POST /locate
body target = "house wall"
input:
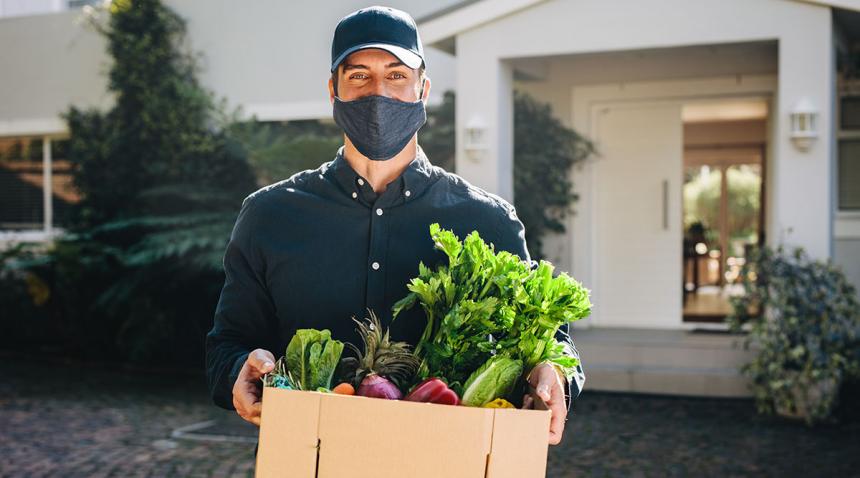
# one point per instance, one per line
(270, 57)
(59, 66)
(560, 74)
(564, 27)
(697, 61)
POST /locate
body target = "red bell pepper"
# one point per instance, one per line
(433, 390)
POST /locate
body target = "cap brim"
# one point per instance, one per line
(408, 57)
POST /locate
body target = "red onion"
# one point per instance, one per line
(377, 386)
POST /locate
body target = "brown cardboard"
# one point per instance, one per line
(325, 435)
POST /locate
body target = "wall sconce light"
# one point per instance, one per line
(803, 124)
(475, 143)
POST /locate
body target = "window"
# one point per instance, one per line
(849, 174)
(15, 8)
(81, 3)
(849, 117)
(848, 150)
(33, 169)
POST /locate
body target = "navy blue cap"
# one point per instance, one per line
(378, 27)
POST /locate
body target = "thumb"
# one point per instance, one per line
(543, 391)
(545, 381)
(260, 362)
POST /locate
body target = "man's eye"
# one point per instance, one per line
(398, 75)
(357, 76)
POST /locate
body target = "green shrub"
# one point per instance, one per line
(544, 152)
(804, 318)
(161, 178)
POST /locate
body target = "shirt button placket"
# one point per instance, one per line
(376, 274)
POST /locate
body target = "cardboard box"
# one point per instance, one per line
(325, 435)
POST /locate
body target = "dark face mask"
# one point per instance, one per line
(379, 126)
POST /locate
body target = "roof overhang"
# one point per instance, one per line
(844, 4)
(440, 28)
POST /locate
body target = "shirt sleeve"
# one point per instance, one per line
(244, 315)
(512, 238)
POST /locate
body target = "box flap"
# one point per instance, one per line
(288, 433)
(519, 444)
(371, 437)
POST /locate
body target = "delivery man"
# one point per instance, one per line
(325, 245)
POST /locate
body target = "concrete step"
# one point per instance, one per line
(673, 362)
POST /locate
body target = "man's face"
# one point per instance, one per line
(376, 72)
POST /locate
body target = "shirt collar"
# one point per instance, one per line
(409, 185)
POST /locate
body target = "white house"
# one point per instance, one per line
(742, 116)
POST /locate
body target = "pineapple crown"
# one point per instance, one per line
(392, 360)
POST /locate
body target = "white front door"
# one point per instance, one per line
(636, 201)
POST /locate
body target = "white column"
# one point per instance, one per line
(485, 93)
(802, 208)
(47, 185)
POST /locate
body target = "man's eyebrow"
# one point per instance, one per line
(354, 66)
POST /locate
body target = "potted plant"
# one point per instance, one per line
(803, 316)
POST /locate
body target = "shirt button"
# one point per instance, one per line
(360, 182)
(408, 193)
(379, 212)
(354, 194)
(375, 266)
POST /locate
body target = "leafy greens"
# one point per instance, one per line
(484, 303)
(311, 359)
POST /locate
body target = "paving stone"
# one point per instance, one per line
(68, 421)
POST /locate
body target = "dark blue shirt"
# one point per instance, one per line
(321, 247)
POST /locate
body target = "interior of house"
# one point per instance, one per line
(725, 151)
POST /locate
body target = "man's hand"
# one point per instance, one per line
(549, 386)
(248, 389)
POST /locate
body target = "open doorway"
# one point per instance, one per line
(723, 201)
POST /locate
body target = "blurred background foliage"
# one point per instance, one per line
(702, 194)
(137, 274)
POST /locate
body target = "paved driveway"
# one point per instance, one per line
(68, 420)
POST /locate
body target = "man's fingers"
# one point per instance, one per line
(256, 411)
(543, 392)
(247, 402)
(528, 401)
(247, 396)
(558, 407)
(556, 422)
(547, 381)
(261, 362)
(250, 416)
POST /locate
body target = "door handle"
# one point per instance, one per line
(665, 204)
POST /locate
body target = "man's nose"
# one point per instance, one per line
(378, 88)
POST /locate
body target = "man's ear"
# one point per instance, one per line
(426, 89)
(331, 90)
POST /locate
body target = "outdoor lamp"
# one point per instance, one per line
(803, 127)
(475, 142)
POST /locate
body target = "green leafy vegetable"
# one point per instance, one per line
(311, 358)
(496, 378)
(482, 303)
